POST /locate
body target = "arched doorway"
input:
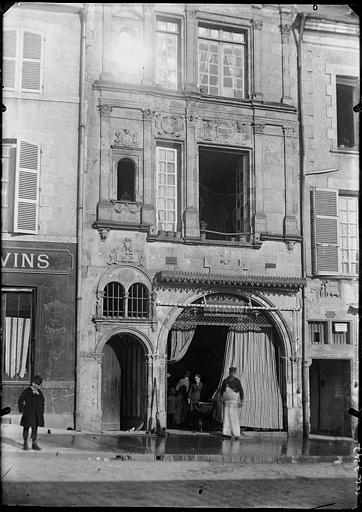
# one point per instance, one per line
(209, 338)
(123, 383)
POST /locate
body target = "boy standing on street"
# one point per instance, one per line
(31, 405)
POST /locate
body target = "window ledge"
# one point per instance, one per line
(348, 151)
(175, 237)
(335, 276)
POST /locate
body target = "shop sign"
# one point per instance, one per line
(54, 261)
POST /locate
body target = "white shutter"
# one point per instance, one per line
(325, 231)
(9, 59)
(26, 188)
(31, 71)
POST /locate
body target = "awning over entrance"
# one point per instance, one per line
(198, 278)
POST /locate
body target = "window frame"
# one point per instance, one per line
(178, 22)
(213, 25)
(329, 333)
(33, 315)
(176, 148)
(19, 59)
(349, 81)
(347, 195)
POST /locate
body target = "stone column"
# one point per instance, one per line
(260, 223)
(191, 213)
(105, 186)
(286, 94)
(149, 44)
(257, 25)
(156, 364)
(149, 192)
(290, 219)
(107, 43)
(192, 72)
(89, 399)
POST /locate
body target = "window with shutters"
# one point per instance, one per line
(17, 315)
(26, 201)
(347, 95)
(325, 231)
(22, 60)
(348, 234)
(8, 183)
(222, 61)
(341, 333)
(167, 53)
(334, 233)
(167, 188)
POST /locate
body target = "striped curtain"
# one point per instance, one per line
(253, 354)
(17, 339)
(179, 343)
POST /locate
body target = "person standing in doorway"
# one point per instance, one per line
(194, 397)
(171, 408)
(31, 405)
(185, 381)
(232, 395)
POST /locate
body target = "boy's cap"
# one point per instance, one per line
(37, 380)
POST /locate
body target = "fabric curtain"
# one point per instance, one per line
(179, 343)
(17, 339)
(253, 354)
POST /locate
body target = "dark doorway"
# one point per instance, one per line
(123, 383)
(330, 397)
(205, 356)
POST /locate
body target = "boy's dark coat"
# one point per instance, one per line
(32, 407)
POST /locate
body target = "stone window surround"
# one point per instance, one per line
(331, 112)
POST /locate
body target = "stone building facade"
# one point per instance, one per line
(39, 187)
(152, 124)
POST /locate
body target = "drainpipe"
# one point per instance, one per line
(80, 192)
(300, 23)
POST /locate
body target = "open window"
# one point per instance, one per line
(347, 121)
(224, 194)
(126, 180)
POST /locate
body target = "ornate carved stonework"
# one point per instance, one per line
(170, 124)
(289, 130)
(290, 245)
(225, 264)
(329, 289)
(93, 356)
(285, 30)
(104, 110)
(152, 230)
(257, 23)
(126, 207)
(219, 130)
(127, 253)
(103, 233)
(147, 113)
(125, 138)
(258, 127)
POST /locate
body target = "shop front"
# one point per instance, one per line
(38, 325)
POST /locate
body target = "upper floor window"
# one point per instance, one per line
(22, 61)
(334, 233)
(167, 54)
(222, 61)
(21, 165)
(348, 234)
(138, 301)
(113, 300)
(167, 190)
(126, 180)
(347, 95)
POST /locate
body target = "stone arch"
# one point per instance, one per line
(126, 275)
(278, 321)
(136, 333)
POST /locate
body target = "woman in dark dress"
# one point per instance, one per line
(31, 405)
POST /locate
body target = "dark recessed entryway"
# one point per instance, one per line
(330, 391)
(123, 383)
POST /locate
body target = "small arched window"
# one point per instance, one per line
(138, 301)
(126, 180)
(113, 300)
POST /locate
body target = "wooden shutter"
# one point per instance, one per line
(31, 72)
(325, 231)
(9, 59)
(26, 188)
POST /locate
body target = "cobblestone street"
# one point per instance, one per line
(38, 478)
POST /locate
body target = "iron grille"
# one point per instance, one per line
(113, 300)
(138, 301)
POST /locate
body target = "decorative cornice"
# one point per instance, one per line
(197, 278)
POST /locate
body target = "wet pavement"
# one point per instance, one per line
(252, 447)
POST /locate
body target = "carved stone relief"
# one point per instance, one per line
(224, 131)
(126, 207)
(170, 124)
(127, 133)
(127, 253)
(126, 138)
